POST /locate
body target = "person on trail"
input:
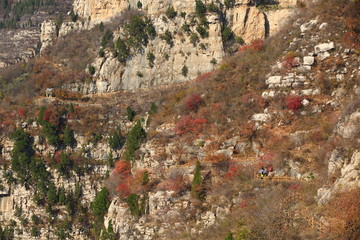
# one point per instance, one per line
(271, 171)
(262, 171)
(266, 172)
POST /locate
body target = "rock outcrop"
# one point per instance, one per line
(18, 45)
(169, 61)
(349, 178)
(246, 21)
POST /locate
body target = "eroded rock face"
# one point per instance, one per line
(99, 10)
(245, 19)
(48, 32)
(248, 22)
(18, 197)
(111, 75)
(350, 128)
(166, 213)
(349, 179)
(18, 45)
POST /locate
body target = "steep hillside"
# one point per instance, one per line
(179, 158)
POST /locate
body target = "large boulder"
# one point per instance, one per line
(324, 47)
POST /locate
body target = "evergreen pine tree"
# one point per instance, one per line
(65, 165)
(134, 139)
(130, 113)
(101, 203)
(197, 181)
(133, 203)
(116, 140)
(62, 196)
(51, 194)
(71, 108)
(229, 236)
(153, 108)
(41, 115)
(22, 153)
(145, 179)
(69, 139)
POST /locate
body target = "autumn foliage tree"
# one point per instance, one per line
(121, 176)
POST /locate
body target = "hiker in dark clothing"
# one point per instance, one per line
(262, 172)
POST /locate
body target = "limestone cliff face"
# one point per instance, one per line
(245, 19)
(17, 45)
(48, 32)
(169, 61)
(99, 10)
(248, 22)
(103, 10)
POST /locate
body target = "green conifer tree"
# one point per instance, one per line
(69, 139)
(197, 181)
(51, 194)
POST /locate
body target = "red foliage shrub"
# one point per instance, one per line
(294, 187)
(122, 167)
(243, 204)
(121, 177)
(204, 76)
(22, 113)
(123, 189)
(47, 115)
(188, 124)
(255, 45)
(293, 103)
(290, 62)
(194, 102)
(57, 156)
(232, 171)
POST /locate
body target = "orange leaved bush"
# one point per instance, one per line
(189, 124)
(255, 45)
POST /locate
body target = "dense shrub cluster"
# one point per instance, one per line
(290, 61)
(194, 102)
(293, 103)
(255, 45)
(189, 124)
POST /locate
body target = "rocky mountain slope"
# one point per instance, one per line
(179, 158)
